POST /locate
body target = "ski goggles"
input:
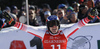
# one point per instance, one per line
(53, 23)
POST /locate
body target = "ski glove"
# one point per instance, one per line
(8, 18)
(92, 12)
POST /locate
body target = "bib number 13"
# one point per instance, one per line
(53, 46)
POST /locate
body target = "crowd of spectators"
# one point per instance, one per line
(67, 13)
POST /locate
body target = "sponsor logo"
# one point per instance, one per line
(54, 41)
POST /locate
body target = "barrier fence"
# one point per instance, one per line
(87, 37)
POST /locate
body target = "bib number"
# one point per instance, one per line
(53, 46)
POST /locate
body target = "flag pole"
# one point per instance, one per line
(27, 12)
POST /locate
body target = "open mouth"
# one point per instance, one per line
(54, 29)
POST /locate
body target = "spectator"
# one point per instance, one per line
(70, 17)
(62, 6)
(45, 7)
(32, 16)
(46, 14)
(38, 17)
(55, 12)
(75, 6)
(90, 4)
(8, 10)
(60, 14)
(15, 11)
(82, 11)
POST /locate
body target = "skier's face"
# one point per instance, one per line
(54, 29)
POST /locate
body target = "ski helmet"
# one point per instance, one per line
(52, 20)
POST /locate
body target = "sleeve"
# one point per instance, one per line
(30, 29)
(2, 23)
(69, 31)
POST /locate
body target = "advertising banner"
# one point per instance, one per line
(86, 37)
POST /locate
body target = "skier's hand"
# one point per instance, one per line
(8, 18)
(92, 13)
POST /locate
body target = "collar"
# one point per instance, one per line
(59, 32)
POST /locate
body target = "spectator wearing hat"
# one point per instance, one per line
(45, 7)
(62, 6)
(70, 17)
(32, 16)
(8, 10)
(46, 14)
(14, 10)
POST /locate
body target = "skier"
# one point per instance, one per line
(53, 38)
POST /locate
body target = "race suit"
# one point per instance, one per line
(53, 41)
